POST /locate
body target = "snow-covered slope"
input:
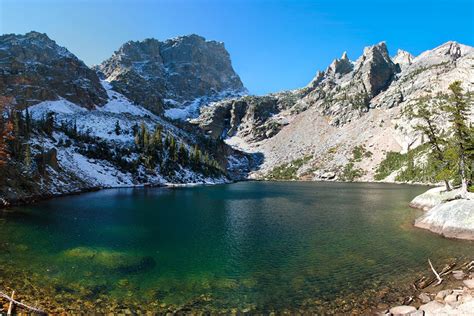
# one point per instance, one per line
(100, 124)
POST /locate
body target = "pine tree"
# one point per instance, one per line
(118, 129)
(6, 131)
(172, 149)
(27, 159)
(49, 123)
(74, 129)
(458, 109)
(182, 155)
(15, 143)
(196, 157)
(157, 140)
(426, 115)
(27, 123)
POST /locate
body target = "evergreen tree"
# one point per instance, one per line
(15, 143)
(426, 115)
(196, 157)
(458, 109)
(182, 155)
(135, 129)
(6, 131)
(118, 129)
(27, 123)
(157, 140)
(74, 129)
(27, 159)
(49, 123)
(172, 149)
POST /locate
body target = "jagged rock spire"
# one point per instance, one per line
(403, 58)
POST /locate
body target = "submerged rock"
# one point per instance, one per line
(110, 259)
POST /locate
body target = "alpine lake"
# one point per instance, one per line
(255, 247)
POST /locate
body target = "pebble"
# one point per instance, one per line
(458, 274)
(442, 294)
(403, 310)
(452, 300)
(425, 298)
(431, 307)
(469, 283)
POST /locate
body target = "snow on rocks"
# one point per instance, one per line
(99, 173)
(100, 123)
(118, 103)
(61, 106)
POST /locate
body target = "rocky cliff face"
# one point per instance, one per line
(170, 74)
(82, 134)
(33, 68)
(351, 108)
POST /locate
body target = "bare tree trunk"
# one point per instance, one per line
(462, 170)
(448, 187)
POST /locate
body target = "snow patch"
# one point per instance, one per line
(62, 106)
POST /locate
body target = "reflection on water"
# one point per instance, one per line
(258, 244)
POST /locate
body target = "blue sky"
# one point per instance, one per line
(274, 45)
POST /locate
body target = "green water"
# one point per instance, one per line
(263, 245)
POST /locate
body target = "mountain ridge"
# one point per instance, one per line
(310, 133)
(338, 110)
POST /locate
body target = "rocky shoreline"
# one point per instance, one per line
(453, 296)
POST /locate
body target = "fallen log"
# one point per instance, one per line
(13, 301)
(424, 282)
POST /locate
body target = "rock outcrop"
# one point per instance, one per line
(81, 132)
(161, 75)
(403, 58)
(33, 68)
(252, 117)
(453, 219)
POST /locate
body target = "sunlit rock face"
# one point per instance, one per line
(33, 68)
(163, 75)
(350, 103)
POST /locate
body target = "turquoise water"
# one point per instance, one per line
(249, 245)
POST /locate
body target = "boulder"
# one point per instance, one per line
(469, 283)
(453, 219)
(431, 307)
(403, 310)
(433, 197)
(424, 298)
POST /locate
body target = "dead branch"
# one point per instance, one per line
(31, 308)
(10, 306)
(436, 273)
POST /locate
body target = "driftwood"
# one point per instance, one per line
(10, 306)
(435, 273)
(13, 301)
(423, 282)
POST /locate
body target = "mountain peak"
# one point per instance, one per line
(403, 58)
(47, 72)
(157, 73)
(340, 66)
(380, 48)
